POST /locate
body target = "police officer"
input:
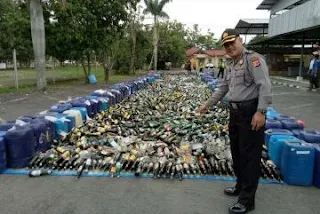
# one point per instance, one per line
(247, 81)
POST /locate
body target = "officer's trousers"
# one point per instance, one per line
(246, 148)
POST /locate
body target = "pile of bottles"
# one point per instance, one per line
(155, 131)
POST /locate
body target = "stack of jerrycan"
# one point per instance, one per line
(117, 94)
(310, 136)
(83, 111)
(6, 126)
(297, 162)
(270, 132)
(103, 103)
(83, 103)
(150, 79)
(275, 146)
(272, 122)
(21, 145)
(44, 131)
(57, 111)
(105, 94)
(124, 89)
(76, 114)
(272, 114)
(69, 122)
(316, 172)
(90, 102)
(289, 123)
(3, 152)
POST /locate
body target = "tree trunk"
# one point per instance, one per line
(89, 66)
(85, 71)
(155, 43)
(133, 49)
(38, 41)
(106, 73)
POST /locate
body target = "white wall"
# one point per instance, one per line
(304, 16)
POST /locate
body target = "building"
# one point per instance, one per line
(199, 56)
(294, 25)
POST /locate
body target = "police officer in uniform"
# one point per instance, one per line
(247, 81)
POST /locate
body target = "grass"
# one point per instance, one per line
(67, 75)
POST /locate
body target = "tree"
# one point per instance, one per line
(89, 28)
(15, 31)
(172, 44)
(155, 8)
(134, 18)
(38, 41)
(205, 41)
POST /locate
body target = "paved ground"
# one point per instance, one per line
(14, 105)
(64, 195)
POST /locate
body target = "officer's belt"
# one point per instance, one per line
(242, 104)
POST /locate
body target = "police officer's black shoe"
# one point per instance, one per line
(239, 208)
(232, 191)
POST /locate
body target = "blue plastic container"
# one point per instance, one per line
(150, 79)
(50, 128)
(6, 126)
(61, 107)
(283, 117)
(296, 132)
(316, 172)
(291, 124)
(92, 79)
(61, 125)
(96, 102)
(42, 135)
(85, 104)
(83, 111)
(297, 163)
(69, 118)
(26, 119)
(270, 132)
(3, 155)
(273, 124)
(20, 144)
(275, 147)
(117, 94)
(311, 136)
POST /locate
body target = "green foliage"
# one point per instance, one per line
(155, 7)
(204, 41)
(172, 45)
(15, 30)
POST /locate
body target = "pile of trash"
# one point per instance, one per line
(157, 131)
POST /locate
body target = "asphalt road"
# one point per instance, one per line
(64, 195)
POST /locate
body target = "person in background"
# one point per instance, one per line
(188, 66)
(222, 66)
(247, 82)
(314, 71)
(201, 66)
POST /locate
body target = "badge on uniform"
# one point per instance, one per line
(255, 62)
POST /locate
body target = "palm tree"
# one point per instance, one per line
(38, 41)
(155, 8)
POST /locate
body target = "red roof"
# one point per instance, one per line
(192, 51)
(216, 52)
(212, 52)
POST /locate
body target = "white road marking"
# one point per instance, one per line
(278, 86)
(299, 106)
(51, 98)
(286, 93)
(18, 99)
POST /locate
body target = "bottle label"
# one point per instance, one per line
(303, 152)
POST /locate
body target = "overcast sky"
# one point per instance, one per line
(215, 15)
